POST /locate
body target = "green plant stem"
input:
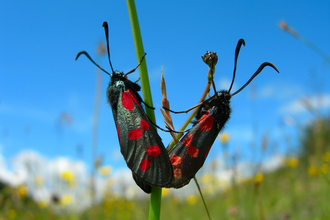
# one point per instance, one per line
(156, 193)
(201, 194)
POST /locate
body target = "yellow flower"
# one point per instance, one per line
(325, 168)
(313, 171)
(326, 157)
(224, 137)
(38, 181)
(105, 170)
(192, 199)
(210, 189)
(68, 176)
(66, 199)
(43, 204)
(120, 205)
(109, 204)
(258, 178)
(165, 192)
(11, 214)
(22, 191)
(292, 162)
(206, 178)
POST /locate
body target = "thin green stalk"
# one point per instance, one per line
(201, 194)
(156, 193)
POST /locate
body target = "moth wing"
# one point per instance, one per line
(189, 155)
(143, 185)
(140, 144)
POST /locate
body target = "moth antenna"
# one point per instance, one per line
(87, 55)
(136, 66)
(255, 74)
(189, 109)
(106, 30)
(238, 48)
(137, 80)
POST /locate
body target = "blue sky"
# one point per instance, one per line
(40, 79)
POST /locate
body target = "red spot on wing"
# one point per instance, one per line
(207, 123)
(145, 164)
(192, 151)
(135, 134)
(207, 152)
(118, 133)
(177, 173)
(204, 116)
(175, 160)
(153, 151)
(144, 125)
(187, 140)
(127, 101)
(134, 97)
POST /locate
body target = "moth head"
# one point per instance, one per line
(117, 75)
(224, 95)
(119, 83)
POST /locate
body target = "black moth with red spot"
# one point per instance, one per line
(189, 155)
(140, 144)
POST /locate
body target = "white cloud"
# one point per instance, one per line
(243, 169)
(266, 91)
(224, 84)
(287, 90)
(116, 154)
(31, 112)
(279, 92)
(8, 177)
(240, 133)
(29, 164)
(302, 105)
(125, 185)
(272, 163)
(155, 74)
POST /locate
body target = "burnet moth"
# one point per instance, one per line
(140, 144)
(189, 155)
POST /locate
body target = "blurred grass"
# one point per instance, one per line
(291, 192)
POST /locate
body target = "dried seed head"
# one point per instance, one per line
(283, 25)
(163, 86)
(100, 50)
(210, 58)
